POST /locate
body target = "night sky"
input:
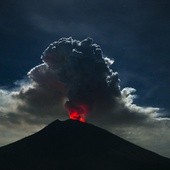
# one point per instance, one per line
(135, 34)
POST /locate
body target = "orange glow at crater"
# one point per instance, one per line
(77, 111)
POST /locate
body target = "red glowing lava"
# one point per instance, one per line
(77, 111)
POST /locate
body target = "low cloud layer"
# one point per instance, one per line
(78, 71)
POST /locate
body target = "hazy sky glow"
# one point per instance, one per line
(135, 34)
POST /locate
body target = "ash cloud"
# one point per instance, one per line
(78, 71)
(83, 70)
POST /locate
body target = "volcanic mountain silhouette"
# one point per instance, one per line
(70, 144)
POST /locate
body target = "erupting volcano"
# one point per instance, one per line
(77, 111)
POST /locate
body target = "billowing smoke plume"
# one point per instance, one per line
(83, 70)
(78, 72)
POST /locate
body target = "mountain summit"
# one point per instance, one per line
(70, 144)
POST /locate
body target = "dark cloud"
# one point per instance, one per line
(82, 68)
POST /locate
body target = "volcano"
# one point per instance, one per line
(71, 144)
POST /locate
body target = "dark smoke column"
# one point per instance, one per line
(85, 73)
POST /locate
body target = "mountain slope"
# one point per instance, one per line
(75, 145)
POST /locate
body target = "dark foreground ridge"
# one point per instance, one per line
(67, 145)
